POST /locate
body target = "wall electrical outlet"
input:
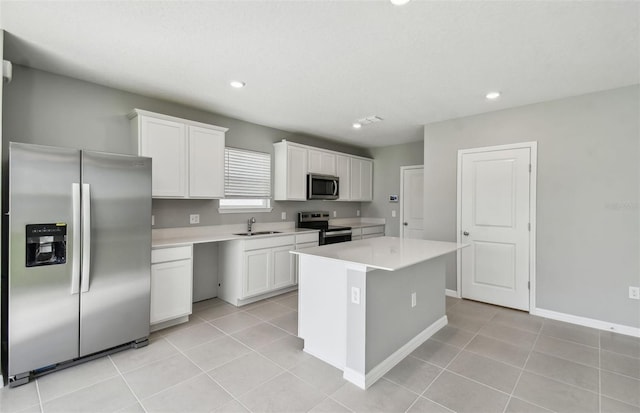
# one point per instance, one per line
(357, 212)
(634, 293)
(393, 213)
(153, 219)
(194, 219)
(355, 295)
(283, 216)
(335, 214)
(413, 300)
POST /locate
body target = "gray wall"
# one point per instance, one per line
(49, 109)
(588, 193)
(386, 181)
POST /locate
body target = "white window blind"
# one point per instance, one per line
(247, 174)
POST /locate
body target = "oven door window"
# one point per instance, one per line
(334, 239)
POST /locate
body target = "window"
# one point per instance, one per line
(247, 181)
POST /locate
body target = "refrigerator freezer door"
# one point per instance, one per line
(114, 304)
(43, 308)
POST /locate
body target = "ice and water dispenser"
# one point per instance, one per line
(46, 244)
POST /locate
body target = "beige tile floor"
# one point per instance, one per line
(488, 359)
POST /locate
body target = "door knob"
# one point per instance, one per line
(405, 224)
(466, 233)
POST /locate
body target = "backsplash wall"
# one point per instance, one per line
(170, 213)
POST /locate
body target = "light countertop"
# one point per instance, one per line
(384, 253)
(175, 237)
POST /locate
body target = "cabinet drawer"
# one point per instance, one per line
(373, 230)
(372, 236)
(170, 254)
(306, 245)
(270, 242)
(302, 238)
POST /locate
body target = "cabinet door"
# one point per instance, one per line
(170, 290)
(356, 183)
(295, 261)
(166, 143)
(366, 180)
(206, 163)
(361, 179)
(283, 269)
(343, 171)
(296, 173)
(321, 162)
(257, 272)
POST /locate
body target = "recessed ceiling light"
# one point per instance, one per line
(237, 84)
(399, 2)
(492, 95)
(357, 125)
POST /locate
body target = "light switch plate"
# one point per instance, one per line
(153, 219)
(357, 212)
(283, 216)
(194, 218)
(393, 213)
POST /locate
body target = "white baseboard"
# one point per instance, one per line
(587, 322)
(364, 381)
(451, 293)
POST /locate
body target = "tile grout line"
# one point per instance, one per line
(206, 373)
(64, 394)
(39, 396)
(515, 385)
(127, 383)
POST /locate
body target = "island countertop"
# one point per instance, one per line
(384, 253)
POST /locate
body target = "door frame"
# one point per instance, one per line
(402, 169)
(533, 147)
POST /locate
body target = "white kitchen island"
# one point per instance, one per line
(365, 305)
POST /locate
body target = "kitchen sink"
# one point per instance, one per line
(250, 234)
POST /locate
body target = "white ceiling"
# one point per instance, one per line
(317, 66)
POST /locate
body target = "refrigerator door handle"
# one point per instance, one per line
(86, 237)
(75, 263)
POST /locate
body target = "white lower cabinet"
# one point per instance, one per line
(284, 273)
(367, 232)
(171, 285)
(256, 272)
(301, 247)
(257, 268)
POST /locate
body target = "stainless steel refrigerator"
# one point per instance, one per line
(79, 256)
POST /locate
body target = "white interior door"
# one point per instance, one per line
(495, 221)
(411, 202)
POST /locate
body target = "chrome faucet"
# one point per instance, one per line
(250, 223)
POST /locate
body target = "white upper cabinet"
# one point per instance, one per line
(290, 180)
(361, 179)
(322, 162)
(188, 157)
(343, 171)
(206, 163)
(165, 142)
(294, 161)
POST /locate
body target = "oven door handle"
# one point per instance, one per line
(337, 233)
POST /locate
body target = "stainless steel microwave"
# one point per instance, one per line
(323, 187)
